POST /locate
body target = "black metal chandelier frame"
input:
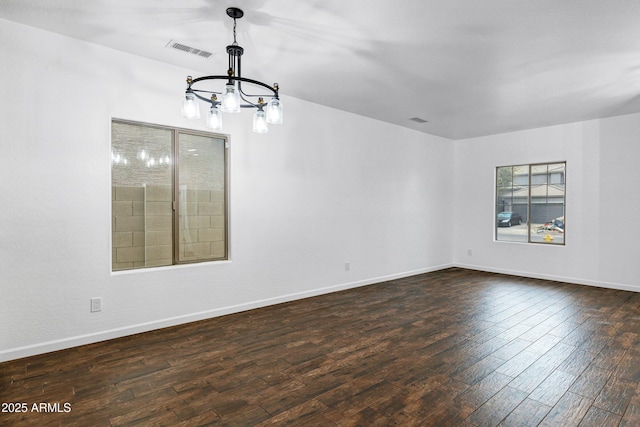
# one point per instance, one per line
(234, 74)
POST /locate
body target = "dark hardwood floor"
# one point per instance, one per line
(450, 348)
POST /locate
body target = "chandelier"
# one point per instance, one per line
(233, 96)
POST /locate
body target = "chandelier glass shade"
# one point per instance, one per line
(233, 96)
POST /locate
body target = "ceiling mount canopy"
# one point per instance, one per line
(233, 96)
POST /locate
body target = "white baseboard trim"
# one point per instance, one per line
(572, 280)
(64, 343)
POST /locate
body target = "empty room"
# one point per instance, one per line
(332, 213)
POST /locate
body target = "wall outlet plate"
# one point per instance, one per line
(96, 304)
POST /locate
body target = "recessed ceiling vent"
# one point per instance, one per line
(418, 120)
(192, 50)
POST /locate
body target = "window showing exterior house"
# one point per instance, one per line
(530, 203)
(169, 196)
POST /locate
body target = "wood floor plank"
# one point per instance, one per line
(528, 413)
(629, 366)
(449, 348)
(577, 363)
(544, 344)
(591, 381)
(616, 395)
(510, 350)
(518, 363)
(477, 395)
(598, 417)
(631, 416)
(366, 417)
(498, 407)
(552, 388)
(569, 411)
(479, 370)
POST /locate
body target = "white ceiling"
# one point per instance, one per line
(469, 67)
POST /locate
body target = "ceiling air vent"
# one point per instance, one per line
(192, 50)
(418, 120)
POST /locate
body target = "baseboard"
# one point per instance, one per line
(533, 275)
(64, 343)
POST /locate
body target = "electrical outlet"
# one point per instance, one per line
(469, 252)
(96, 304)
(347, 266)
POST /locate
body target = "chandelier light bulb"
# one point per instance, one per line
(230, 99)
(274, 111)
(190, 106)
(214, 118)
(260, 122)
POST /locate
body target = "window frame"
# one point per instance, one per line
(175, 193)
(530, 167)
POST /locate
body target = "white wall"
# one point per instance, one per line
(325, 188)
(602, 202)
